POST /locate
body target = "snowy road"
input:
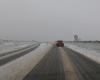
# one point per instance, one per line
(16, 54)
(90, 53)
(48, 62)
(64, 64)
(17, 69)
(13, 46)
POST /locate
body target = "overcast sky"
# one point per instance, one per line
(44, 20)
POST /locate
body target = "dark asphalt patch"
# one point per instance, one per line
(49, 68)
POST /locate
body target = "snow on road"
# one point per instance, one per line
(92, 54)
(18, 69)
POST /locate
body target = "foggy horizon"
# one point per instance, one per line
(49, 20)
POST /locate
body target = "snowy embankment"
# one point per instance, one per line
(8, 47)
(19, 68)
(86, 52)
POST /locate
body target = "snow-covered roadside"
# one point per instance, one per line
(18, 69)
(88, 53)
(9, 48)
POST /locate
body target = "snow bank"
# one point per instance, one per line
(88, 53)
(11, 47)
(18, 69)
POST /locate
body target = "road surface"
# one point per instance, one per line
(49, 68)
(64, 64)
(10, 56)
(57, 63)
(86, 68)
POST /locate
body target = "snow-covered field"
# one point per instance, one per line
(19, 68)
(89, 46)
(11, 46)
(91, 50)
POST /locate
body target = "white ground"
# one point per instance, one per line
(89, 46)
(10, 46)
(88, 52)
(19, 68)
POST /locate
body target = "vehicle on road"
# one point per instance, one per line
(59, 43)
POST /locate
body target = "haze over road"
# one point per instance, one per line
(35, 19)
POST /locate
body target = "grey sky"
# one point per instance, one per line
(49, 19)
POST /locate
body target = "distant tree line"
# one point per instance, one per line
(90, 41)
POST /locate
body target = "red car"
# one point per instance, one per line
(59, 43)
